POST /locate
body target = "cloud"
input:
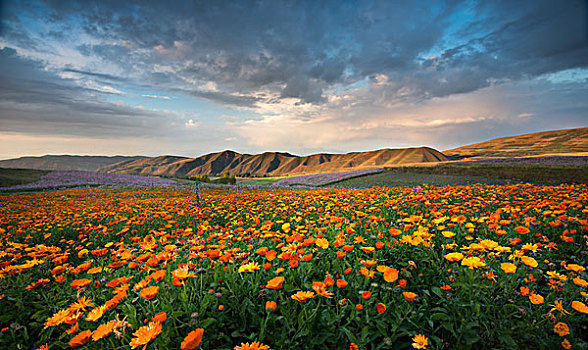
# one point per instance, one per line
(35, 101)
(191, 124)
(303, 50)
(156, 96)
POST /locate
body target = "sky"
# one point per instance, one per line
(194, 77)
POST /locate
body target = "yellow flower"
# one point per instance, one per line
(575, 268)
(323, 243)
(448, 234)
(557, 276)
(252, 266)
(559, 307)
(420, 341)
(473, 262)
(508, 267)
(96, 313)
(527, 260)
(453, 257)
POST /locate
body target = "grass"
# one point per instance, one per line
(467, 174)
(11, 177)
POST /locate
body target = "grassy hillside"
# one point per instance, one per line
(10, 177)
(571, 141)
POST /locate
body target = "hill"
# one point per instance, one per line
(64, 162)
(558, 142)
(274, 163)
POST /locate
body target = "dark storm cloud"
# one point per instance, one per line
(36, 101)
(301, 49)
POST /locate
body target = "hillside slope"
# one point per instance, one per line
(64, 162)
(560, 142)
(274, 163)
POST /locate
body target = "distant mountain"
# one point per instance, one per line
(557, 142)
(65, 162)
(273, 163)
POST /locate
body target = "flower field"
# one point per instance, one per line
(465, 267)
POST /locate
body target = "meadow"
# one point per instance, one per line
(453, 267)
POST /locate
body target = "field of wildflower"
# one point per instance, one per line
(463, 267)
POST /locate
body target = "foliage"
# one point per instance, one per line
(200, 178)
(226, 178)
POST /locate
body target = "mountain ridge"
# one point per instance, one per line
(275, 163)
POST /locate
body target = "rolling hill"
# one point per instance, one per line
(273, 163)
(64, 162)
(557, 142)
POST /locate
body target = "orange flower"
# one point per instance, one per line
(145, 334)
(390, 275)
(536, 298)
(527, 260)
(58, 318)
(321, 289)
(80, 283)
(420, 341)
(275, 283)
(341, 283)
(366, 295)
(453, 257)
(80, 339)
(104, 330)
(253, 346)
(81, 304)
(160, 317)
(508, 267)
(303, 296)
(561, 329)
(579, 306)
(149, 292)
(381, 308)
(566, 344)
(353, 346)
(522, 230)
(193, 339)
(359, 307)
(272, 305)
(329, 281)
(409, 296)
(524, 291)
(158, 275)
(221, 307)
